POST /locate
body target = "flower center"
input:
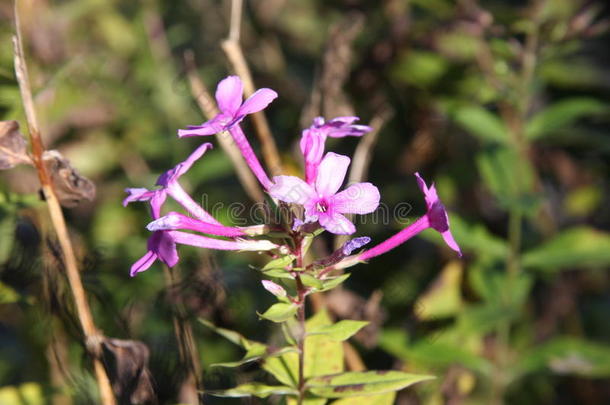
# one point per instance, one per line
(321, 206)
(438, 217)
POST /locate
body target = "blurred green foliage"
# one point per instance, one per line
(505, 104)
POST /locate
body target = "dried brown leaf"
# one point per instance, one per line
(71, 188)
(126, 362)
(12, 146)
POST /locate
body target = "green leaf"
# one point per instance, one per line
(508, 177)
(383, 399)
(480, 123)
(483, 318)
(568, 355)
(433, 351)
(443, 298)
(332, 282)
(473, 237)
(580, 248)
(421, 69)
(278, 273)
(362, 383)
(7, 294)
(256, 353)
(311, 281)
(562, 114)
(279, 312)
(339, 331)
(279, 263)
(323, 355)
(284, 368)
(230, 335)
(255, 389)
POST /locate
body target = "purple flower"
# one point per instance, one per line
(175, 221)
(161, 245)
(436, 218)
(321, 201)
(353, 244)
(169, 185)
(314, 138)
(229, 95)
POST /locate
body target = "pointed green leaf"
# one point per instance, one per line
(284, 368)
(332, 282)
(481, 123)
(568, 355)
(311, 281)
(278, 273)
(382, 399)
(255, 389)
(230, 335)
(279, 312)
(443, 298)
(279, 263)
(362, 383)
(561, 115)
(580, 247)
(323, 355)
(341, 330)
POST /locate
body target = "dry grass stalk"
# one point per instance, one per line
(234, 53)
(92, 335)
(208, 108)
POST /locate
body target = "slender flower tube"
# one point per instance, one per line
(185, 238)
(436, 218)
(313, 140)
(161, 246)
(175, 221)
(170, 186)
(229, 94)
(321, 200)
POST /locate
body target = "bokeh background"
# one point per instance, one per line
(504, 104)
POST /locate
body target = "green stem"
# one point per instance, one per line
(301, 291)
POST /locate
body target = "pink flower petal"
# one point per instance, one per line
(183, 167)
(137, 194)
(229, 94)
(166, 249)
(448, 237)
(430, 194)
(331, 173)
(219, 244)
(211, 127)
(175, 221)
(337, 224)
(256, 102)
(143, 263)
(360, 198)
(291, 189)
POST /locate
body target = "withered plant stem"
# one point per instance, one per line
(208, 107)
(92, 335)
(235, 54)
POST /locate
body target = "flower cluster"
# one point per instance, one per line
(323, 206)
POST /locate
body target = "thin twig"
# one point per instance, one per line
(92, 335)
(362, 156)
(184, 332)
(234, 53)
(208, 108)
